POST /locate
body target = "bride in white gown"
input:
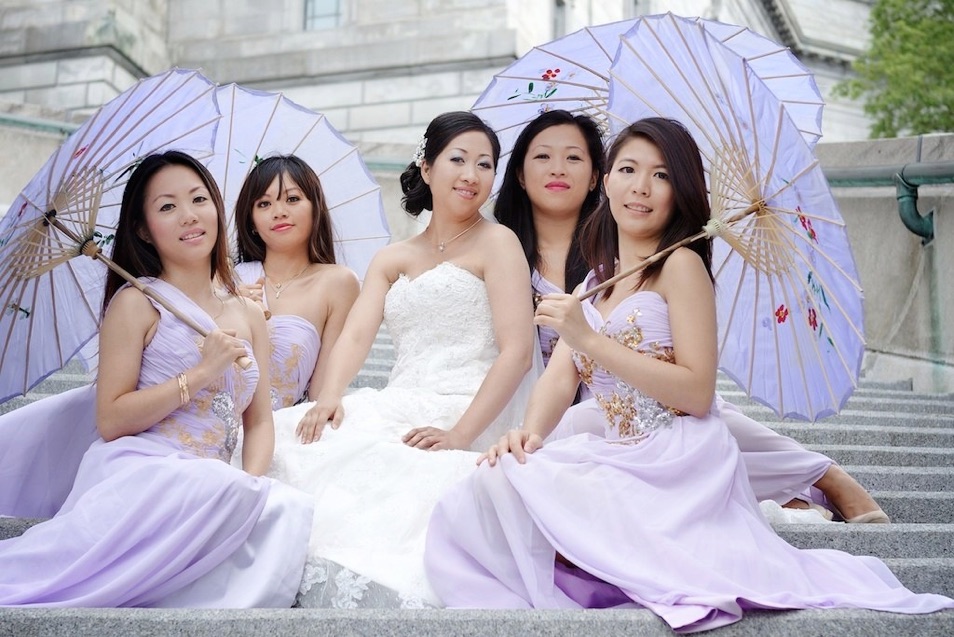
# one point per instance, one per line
(455, 300)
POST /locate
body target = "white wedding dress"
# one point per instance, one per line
(373, 494)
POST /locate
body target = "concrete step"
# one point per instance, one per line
(864, 434)
(14, 527)
(727, 387)
(895, 416)
(375, 365)
(914, 404)
(883, 540)
(925, 575)
(917, 506)
(897, 540)
(895, 385)
(464, 623)
(864, 385)
(903, 478)
(888, 456)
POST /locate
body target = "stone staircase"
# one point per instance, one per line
(897, 443)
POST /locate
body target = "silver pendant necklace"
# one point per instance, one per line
(443, 244)
(281, 287)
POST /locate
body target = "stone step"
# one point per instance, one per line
(735, 395)
(896, 385)
(915, 406)
(374, 365)
(903, 478)
(864, 385)
(16, 402)
(890, 413)
(876, 435)
(917, 506)
(908, 541)
(14, 527)
(61, 381)
(887, 456)
(55, 622)
(886, 541)
(372, 379)
(925, 575)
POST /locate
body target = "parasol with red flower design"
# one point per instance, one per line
(789, 301)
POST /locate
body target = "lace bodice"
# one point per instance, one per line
(442, 329)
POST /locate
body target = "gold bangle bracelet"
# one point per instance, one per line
(183, 389)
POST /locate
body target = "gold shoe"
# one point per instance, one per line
(871, 517)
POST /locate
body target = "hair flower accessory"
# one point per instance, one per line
(418, 158)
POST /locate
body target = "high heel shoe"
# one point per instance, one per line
(871, 517)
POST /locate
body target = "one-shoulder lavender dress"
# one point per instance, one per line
(160, 518)
(42, 443)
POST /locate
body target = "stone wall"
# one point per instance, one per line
(384, 72)
(909, 299)
(74, 55)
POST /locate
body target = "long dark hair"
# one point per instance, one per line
(514, 209)
(440, 132)
(134, 253)
(321, 247)
(690, 210)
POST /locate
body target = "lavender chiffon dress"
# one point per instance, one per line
(160, 518)
(42, 443)
(294, 347)
(657, 512)
(41, 447)
(779, 468)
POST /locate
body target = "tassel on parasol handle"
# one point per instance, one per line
(90, 249)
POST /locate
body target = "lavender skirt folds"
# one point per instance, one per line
(657, 512)
(161, 518)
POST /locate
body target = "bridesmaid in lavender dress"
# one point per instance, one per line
(285, 241)
(658, 512)
(156, 516)
(38, 463)
(550, 188)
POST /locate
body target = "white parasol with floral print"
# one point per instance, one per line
(258, 124)
(573, 73)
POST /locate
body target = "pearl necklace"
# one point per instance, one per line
(281, 287)
(443, 244)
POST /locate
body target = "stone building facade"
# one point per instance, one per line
(379, 69)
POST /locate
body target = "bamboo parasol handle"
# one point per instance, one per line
(90, 249)
(643, 264)
(714, 228)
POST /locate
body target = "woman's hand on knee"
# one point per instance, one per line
(519, 442)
